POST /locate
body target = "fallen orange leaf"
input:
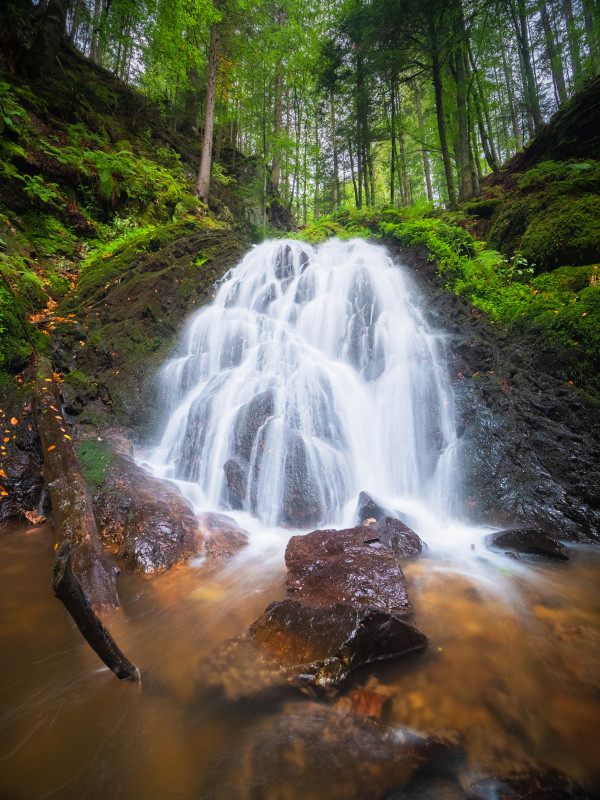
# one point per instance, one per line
(51, 447)
(14, 421)
(2, 473)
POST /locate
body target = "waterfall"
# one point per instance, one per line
(311, 376)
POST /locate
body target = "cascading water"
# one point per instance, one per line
(312, 376)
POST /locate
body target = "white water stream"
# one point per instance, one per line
(311, 377)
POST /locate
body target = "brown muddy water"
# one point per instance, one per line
(512, 674)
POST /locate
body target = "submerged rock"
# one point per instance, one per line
(528, 541)
(294, 644)
(353, 566)
(236, 477)
(310, 751)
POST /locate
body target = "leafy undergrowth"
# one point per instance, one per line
(562, 305)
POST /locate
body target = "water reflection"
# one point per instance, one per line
(511, 674)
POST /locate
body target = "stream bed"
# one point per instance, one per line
(511, 675)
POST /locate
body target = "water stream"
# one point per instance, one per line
(313, 376)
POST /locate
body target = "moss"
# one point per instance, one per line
(77, 380)
(96, 461)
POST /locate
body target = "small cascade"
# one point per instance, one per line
(312, 376)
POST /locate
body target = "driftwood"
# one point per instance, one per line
(68, 589)
(83, 578)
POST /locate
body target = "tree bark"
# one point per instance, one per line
(439, 108)
(276, 173)
(558, 75)
(69, 591)
(336, 176)
(533, 104)
(573, 37)
(94, 47)
(511, 97)
(591, 29)
(202, 189)
(424, 152)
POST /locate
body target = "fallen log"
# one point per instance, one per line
(68, 590)
(86, 566)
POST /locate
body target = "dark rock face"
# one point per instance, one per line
(320, 753)
(150, 527)
(370, 507)
(236, 476)
(351, 566)
(529, 541)
(302, 503)
(248, 421)
(403, 542)
(529, 440)
(294, 644)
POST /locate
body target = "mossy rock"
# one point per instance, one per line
(96, 461)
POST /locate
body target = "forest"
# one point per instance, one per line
(300, 399)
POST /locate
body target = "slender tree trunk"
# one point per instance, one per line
(317, 202)
(276, 173)
(424, 153)
(393, 159)
(591, 29)
(573, 37)
(356, 200)
(558, 75)
(533, 104)
(203, 183)
(511, 96)
(440, 112)
(94, 49)
(192, 101)
(481, 111)
(336, 177)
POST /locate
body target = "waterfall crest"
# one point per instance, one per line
(312, 376)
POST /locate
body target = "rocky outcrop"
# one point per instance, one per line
(347, 594)
(149, 526)
(528, 541)
(529, 440)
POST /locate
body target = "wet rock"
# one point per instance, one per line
(249, 419)
(528, 541)
(370, 507)
(351, 566)
(302, 502)
(236, 476)
(222, 537)
(552, 785)
(313, 752)
(403, 542)
(148, 524)
(293, 644)
(284, 265)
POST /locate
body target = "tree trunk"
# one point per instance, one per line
(192, 102)
(511, 97)
(424, 152)
(533, 104)
(573, 37)
(393, 159)
(558, 75)
(439, 108)
(317, 202)
(276, 173)
(465, 182)
(336, 177)
(353, 174)
(202, 189)
(94, 48)
(591, 29)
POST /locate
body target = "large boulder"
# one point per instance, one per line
(352, 566)
(294, 644)
(528, 541)
(146, 522)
